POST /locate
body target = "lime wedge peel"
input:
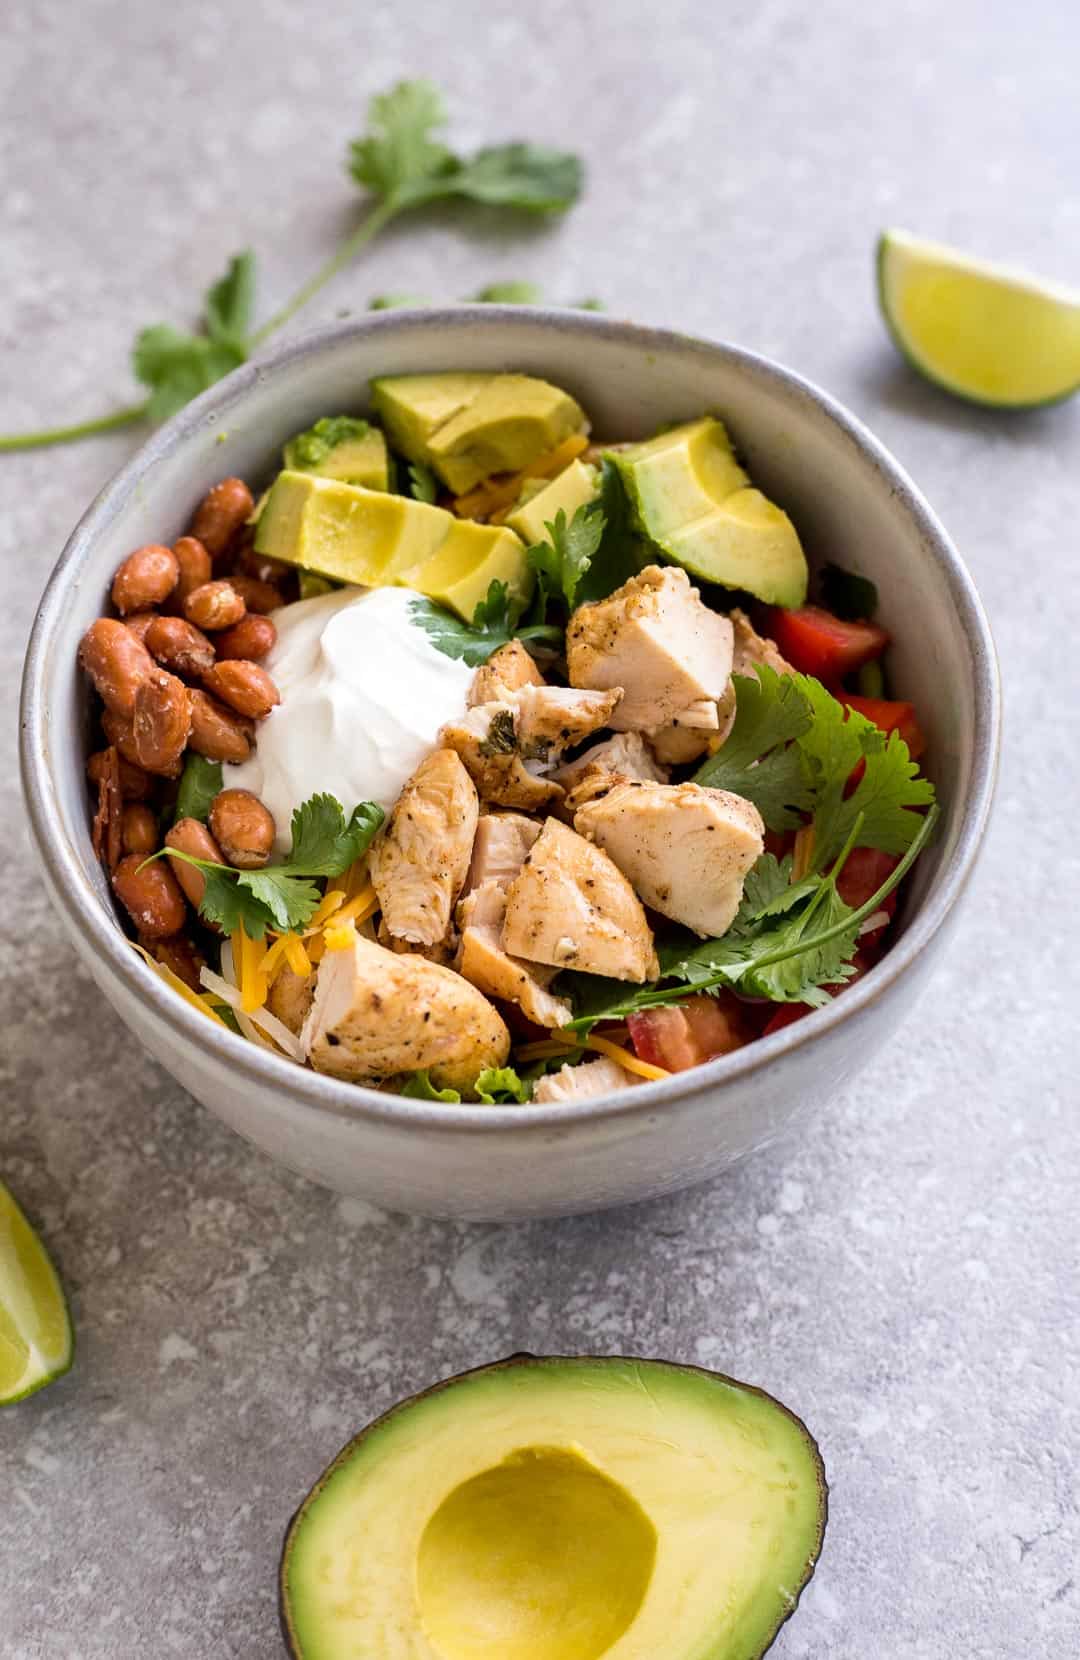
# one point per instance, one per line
(37, 1343)
(995, 336)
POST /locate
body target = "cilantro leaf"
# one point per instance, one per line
(501, 1084)
(200, 782)
(849, 596)
(419, 1087)
(563, 559)
(620, 553)
(399, 158)
(177, 365)
(758, 759)
(323, 842)
(423, 484)
(510, 293)
(495, 621)
(530, 177)
(225, 903)
(290, 900)
(230, 303)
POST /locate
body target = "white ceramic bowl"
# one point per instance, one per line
(851, 503)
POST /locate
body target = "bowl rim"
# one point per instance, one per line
(357, 1103)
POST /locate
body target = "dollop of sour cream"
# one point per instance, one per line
(363, 695)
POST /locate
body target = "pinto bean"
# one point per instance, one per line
(221, 513)
(138, 828)
(116, 662)
(264, 568)
(244, 686)
(107, 833)
(259, 597)
(161, 721)
(180, 646)
(217, 732)
(178, 952)
(243, 828)
(214, 605)
(250, 639)
(151, 896)
(195, 569)
(135, 784)
(139, 623)
(189, 836)
(146, 577)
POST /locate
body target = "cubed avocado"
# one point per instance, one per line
(696, 505)
(569, 490)
(560, 1508)
(340, 446)
(346, 532)
(472, 557)
(469, 426)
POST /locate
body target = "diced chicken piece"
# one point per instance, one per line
(549, 719)
(483, 962)
(751, 648)
(580, 1083)
(418, 866)
(500, 846)
(487, 744)
(443, 952)
(572, 907)
(656, 639)
(677, 745)
(290, 997)
(507, 670)
(626, 753)
(376, 1015)
(685, 849)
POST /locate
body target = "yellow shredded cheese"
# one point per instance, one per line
(164, 972)
(359, 909)
(340, 936)
(331, 901)
(295, 955)
(495, 500)
(629, 1062)
(551, 1047)
(247, 960)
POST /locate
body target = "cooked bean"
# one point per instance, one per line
(139, 828)
(146, 577)
(178, 952)
(250, 639)
(139, 623)
(107, 832)
(135, 784)
(221, 513)
(217, 732)
(263, 567)
(180, 646)
(150, 895)
(116, 662)
(161, 721)
(259, 597)
(120, 732)
(243, 828)
(195, 569)
(189, 836)
(244, 686)
(214, 605)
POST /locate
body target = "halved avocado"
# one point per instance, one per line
(697, 506)
(551, 1508)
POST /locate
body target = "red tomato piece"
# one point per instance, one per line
(698, 1030)
(891, 717)
(815, 642)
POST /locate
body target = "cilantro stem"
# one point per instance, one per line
(366, 232)
(71, 435)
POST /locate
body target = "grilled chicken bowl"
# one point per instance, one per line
(474, 747)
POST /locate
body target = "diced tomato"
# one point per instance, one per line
(891, 717)
(788, 1013)
(815, 642)
(865, 869)
(696, 1031)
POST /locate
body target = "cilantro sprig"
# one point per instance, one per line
(401, 164)
(286, 896)
(495, 622)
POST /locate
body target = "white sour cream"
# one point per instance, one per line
(363, 695)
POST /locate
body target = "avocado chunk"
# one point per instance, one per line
(556, 1509)
(569, 490)
(341, 446)
(697, 506)
(374, 539)
(467, 427)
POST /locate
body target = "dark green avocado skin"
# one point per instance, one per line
(523, 1357)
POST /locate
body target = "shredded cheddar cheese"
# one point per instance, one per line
(164, 972)
(494, 501)
(247, 960)
(628, 1062)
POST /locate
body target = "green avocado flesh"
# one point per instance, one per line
(340, 446)
(468, 426)
(559, 1509)
(375, 539)
(698, 507)
(569, 490)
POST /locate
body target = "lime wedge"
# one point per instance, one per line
(36, 1340)
(992, 335)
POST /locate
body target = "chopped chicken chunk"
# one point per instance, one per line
(499, 847)
(655, 639)
(419, 865)
(290, 997)
(626, 753)
(549, 719)
(751, 648)
(677, 745)
(685, 849)
(572, 907)
(493, 971)
(444, 951)
(376, 1015)
(507, 670)
(500, 743)
(579, 1083)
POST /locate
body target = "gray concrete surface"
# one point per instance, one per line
(905, 1276)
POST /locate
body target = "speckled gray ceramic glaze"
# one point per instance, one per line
(850, 501)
